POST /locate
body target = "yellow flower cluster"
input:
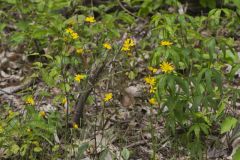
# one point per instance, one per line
(108, 97)
(90, 19)
(151, 81)
(166, 67)
(73, 34)
(79, 51)
(42, 113)
(152, 101)
(79, 77)
(152, 69)
(166, 43)
(30, 101)
(107, 45)
(128, 43)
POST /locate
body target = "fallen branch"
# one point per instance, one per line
(82, 98)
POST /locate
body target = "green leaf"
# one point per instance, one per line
(132, 75)
(37, 149)
(55, 148)
(228, 124)
(237, 3)
(17, 37)
(183, 84)
(14, 148)
(125, 154)
(220, 109)
(82, 148)
(2, 26)
(208, 3)
(105, 155)
(24, 149)
(11, 1)
(236, 155)
(196, 129)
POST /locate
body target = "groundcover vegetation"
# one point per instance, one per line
(119, 79)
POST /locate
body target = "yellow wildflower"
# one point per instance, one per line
(107, 45)
(108, 97)
(166, 43)
(30, 101)
(125, 48)
(79, 77)
(152, 89)
(65, 38)
(75, 125)
(128, 43)
(166, 67)
(150, 80)
(42, 113)
(152, 101)
(69, 31)
(79, 51)
(29, 130)
(90, 19)
(64, 100)
(154, 70)
(74, 35)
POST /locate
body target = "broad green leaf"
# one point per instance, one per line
(196, 129)
(17, 37)
(125, 154)
(228, 124)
